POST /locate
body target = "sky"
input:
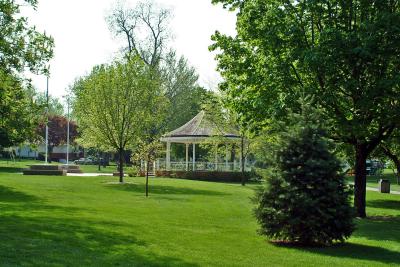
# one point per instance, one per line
(83, 40)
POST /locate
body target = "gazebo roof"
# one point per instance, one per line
(198, 129)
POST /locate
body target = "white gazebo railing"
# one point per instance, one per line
(160, 164)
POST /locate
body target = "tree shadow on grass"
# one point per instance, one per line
(48, 241)
(354, 251)
(165, 190)
(8, 194)
(11, 169)
(384, 204)
(52, 235)
(379, 228)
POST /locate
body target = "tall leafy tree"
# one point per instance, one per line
(145, 29)
(180, 83)
(54, 106)
(22, 48)
(114, 105)
(18, 111)
(344, 53)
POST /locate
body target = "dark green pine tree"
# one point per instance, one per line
(306, 199)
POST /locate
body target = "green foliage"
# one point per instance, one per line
(117, 105)
(18, 111)
(306, 199)
(21, 46)
(180, 83)
(132, 171)
(147, 151)
(344, 53)
(55, 107)
(329, 49)
(146, 31)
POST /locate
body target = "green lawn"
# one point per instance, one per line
(18, 165)
(85, 221)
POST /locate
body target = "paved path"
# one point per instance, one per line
(89, 174)
(376, 190)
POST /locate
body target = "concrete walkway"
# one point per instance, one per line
(89, 174)
(376, 190)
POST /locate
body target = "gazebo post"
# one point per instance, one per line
(187, 156)
(226, 157)
(216, 157)
(240, 162)
(234, 157)
(194, 156)
(168, 158)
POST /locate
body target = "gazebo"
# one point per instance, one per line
(199, 130)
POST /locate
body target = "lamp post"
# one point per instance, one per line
(47, 119)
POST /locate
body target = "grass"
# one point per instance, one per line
(92, 221)
(19, 164)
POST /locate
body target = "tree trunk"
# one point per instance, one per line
(121, 165)
(147, 178)
(360, 180)
(98, 160)
(49, 152)
(243, 162)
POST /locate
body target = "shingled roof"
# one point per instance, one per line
(200, 127)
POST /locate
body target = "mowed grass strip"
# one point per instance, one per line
(93, 221)
(16, 166)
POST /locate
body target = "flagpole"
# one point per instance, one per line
(47, 119)
(67, 130)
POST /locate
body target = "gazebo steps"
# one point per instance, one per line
(47, 169)
(72, 168)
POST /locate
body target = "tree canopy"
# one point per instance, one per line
(22, 48)
(343, 53)
(115, 104)
(58, 130)
(145, 28)
(18, 111)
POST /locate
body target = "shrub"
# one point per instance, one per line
(213, 176)
(306, 199)
(133, 171)
(255, 175)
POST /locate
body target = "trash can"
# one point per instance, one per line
(384, 186)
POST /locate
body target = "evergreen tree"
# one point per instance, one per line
(306, 199)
